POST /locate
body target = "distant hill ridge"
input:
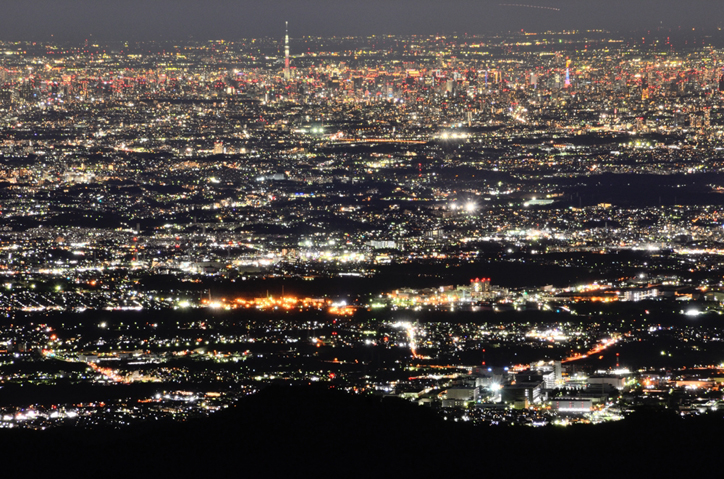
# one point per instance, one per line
(287, 430)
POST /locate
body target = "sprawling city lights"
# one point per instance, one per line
(510, 229)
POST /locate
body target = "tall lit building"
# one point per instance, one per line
(568, 74)
(644, 89)
(286, 51)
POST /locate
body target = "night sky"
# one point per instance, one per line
(101, 20)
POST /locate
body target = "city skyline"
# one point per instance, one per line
(391, 251)
(383, 209)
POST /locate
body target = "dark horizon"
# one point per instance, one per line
(136, 20)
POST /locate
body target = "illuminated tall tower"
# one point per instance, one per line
(568, 74)
(286, 51)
